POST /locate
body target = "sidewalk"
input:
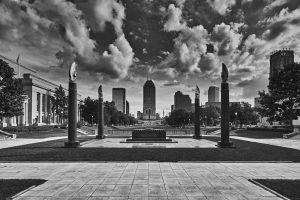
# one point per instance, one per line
(148, 180)
(23, 141)
(288, 143)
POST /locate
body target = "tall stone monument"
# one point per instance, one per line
(72, 109)
(225, 142)
(197, 114)
(100, 114)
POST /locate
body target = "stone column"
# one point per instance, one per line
(100, 114)
(72, 110)
(225, 142)
(197, 134)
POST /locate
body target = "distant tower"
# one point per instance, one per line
(119, 97)
(149, 109)
(279, 59)
(213, 94)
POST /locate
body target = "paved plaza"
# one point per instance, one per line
(182, 143)
(148, 180)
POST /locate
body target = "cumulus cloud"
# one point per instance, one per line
(109, 11)
(171, 83)
(60, 26)
(174, 22)
(225, 39)
(273, 4)
(221, 6)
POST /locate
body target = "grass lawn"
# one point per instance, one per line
(257, 134)
(55, 151)
(11, 187)
(287, 188)
(43, 134)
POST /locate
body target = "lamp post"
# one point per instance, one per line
(92, 120)
(236, 119)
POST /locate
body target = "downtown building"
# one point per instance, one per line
(149, 101)
(182, 101)
(279, 59)
(119, 98)
(37, 106)
(213, 94)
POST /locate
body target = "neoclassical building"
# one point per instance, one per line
(37, 107)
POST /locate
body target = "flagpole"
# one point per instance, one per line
(18, 66)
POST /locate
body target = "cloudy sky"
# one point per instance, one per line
(180, 43)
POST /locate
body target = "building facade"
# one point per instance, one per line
(149, 101)
(182, 101)
(119, 97)
(279, 59)
(256, 102)
(213, 94)
(37, 106)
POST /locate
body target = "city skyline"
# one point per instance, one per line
(242, 34)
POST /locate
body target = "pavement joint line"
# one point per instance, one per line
(268, 189)
(23, 191)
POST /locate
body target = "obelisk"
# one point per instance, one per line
(100, 114)
(225, 142)
(197, 134)
(72, 109)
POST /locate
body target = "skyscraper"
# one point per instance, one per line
(149, 109)
(213, 94)
(119, 97)
(279, 59)
(182, 101)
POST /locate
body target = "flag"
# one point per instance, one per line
(18, 58)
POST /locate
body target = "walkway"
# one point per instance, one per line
(148, 180)
(288, 143)
(23, 141)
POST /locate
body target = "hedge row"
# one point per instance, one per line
(15, 129)
(282, 130)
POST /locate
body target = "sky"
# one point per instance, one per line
(179, 43)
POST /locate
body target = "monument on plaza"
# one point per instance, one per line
(72, 109)
(100, 114)
(225, 142)
(197, 134)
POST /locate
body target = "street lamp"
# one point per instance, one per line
(92, 120)
(235, 119)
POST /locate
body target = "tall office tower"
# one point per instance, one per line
(127, 108)
(149, 109)
(119, 97)
(213, 94)
(279, 59)
(182, 101)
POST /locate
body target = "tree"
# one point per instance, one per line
(243, 114)
(283, 99)
(212, 115)
(90, 110)
(178, 118)
(11, 92)
(60, 103)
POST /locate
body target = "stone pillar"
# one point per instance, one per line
(225, 142)
(100, 114)
(72, 110)
(197, 134)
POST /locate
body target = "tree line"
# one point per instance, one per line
(89, 112)
(239, 114)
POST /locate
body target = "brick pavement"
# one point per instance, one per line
(148, 180)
